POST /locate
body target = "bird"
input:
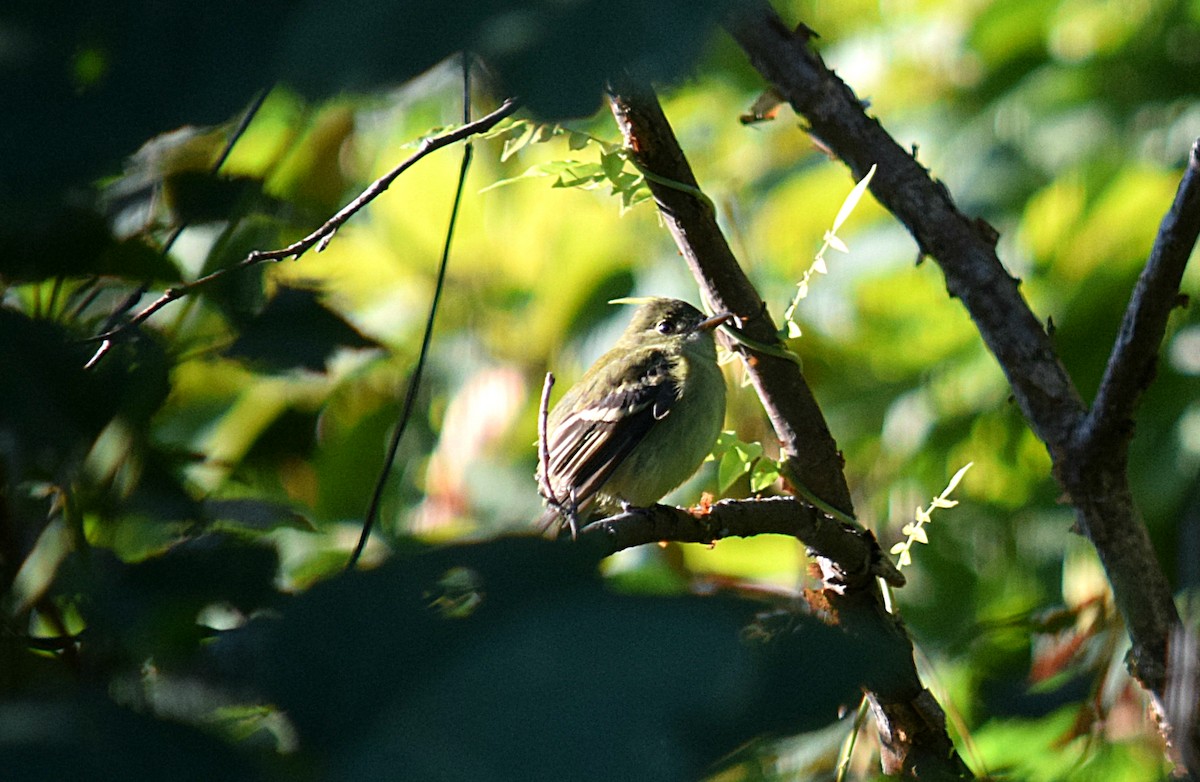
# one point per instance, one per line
(640, 420)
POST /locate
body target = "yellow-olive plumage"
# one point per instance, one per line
(642, 418)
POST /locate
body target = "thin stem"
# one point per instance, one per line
(414, 379)
(131, 300)
(322, 235)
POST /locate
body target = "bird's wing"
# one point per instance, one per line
(590, 443)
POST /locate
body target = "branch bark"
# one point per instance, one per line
(1131, 366)
(807, 445)
(911, 724)
(745, 518)
(1089, 448)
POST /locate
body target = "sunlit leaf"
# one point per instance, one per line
(515, 144)
(852, 200)
(958, 476)
(764, 475)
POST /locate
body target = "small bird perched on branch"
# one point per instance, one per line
(640, 421)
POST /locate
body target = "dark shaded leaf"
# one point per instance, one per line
(72, 242)
(127, 71)
(255, 514)
(88, 737)
(295, 331)
(198, 196)
(149, 608)
(512, 660)
(50, 408)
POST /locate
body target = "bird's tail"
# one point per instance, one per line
(554, 523)
(549, 524)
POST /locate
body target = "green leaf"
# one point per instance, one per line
(546, 132)
(514, 145)
(725, 440)
(731, 467)
(576, 140)
(580, 175)
(255, 514)
(748, 451)
(613, 163)
(764, 475)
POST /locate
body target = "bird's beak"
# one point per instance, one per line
(714, 321)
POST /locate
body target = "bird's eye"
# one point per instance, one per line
(666, 327)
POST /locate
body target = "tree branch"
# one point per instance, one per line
(319, 238)
(911, 722)
(1089, 450)
(745, 518)
(965, 248)
(808, 447)
(1132, 364)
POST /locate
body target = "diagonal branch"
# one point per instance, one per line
(911, 723)
(322, 235)
(1093, 475)
(965, 248)
(808, 447)
(1132, 365)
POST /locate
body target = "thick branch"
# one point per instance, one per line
(910, 717)
(964, 248)
(744, 518)
(1089, 453)
(803, 434)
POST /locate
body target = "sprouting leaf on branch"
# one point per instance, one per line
(790, 329)
(627, 184)
(914, 531)
(736, 458)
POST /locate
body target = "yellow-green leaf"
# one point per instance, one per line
(852, 200)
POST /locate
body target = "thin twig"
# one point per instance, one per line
(568, 510)
(321, 236)
(110, 324)
(543, 446)
(414, 380)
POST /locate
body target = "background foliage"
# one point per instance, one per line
(207, 473)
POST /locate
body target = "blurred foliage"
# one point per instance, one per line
(163, 516)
